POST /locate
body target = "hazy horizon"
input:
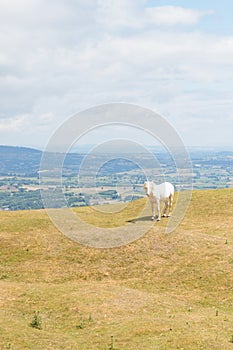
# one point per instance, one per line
(87, 148)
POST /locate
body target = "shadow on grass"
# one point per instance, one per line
(143, 218)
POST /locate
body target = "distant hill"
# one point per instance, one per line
(19, 160)
(211, 168)
(25, 161)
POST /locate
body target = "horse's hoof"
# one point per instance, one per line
(152, 218)
(158, 219)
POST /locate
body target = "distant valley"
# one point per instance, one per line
(113, 179)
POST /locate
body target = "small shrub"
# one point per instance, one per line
(111, 347)
(4, 276)
(84, 322)
(36, 321)
(81, 324)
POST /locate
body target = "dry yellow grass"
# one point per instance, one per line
(164, 291)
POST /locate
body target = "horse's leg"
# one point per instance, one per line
(158, 207)
(170, 204)
(165, 209)
(152, 203)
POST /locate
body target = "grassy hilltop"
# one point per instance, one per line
(164, 291)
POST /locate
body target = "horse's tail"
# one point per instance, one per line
(171, 197)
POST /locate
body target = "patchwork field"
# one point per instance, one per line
(164, 291)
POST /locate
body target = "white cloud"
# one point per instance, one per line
(134, 14)
(58, 57)
(121, 14)
(17, 123)
(173, 15)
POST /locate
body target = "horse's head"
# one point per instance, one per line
(148, 187)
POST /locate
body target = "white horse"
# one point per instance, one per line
(160, 193)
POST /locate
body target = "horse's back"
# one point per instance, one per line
(169, 188)
(164, 190)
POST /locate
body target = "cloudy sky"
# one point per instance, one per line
(59, 57)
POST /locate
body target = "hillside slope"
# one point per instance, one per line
(19, 160)
(161, 292)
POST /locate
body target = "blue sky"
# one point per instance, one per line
(60, 57)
